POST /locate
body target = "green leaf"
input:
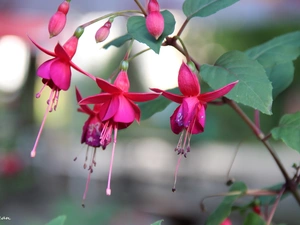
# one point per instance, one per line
(157, 105)
(157, 222)
(253, 89)
(224, 209)
(58, 221)
(288, 130)
(136, 27)
(276, 57)
(203, 8)
(254, 219)
(118, 42)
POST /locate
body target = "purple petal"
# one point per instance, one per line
(188, 82)
(210, 96)
(60, 74)
(176, 126)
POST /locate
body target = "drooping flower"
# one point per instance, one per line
(118, 110)
(189, 117)
(103, 32)
(56, 73)
(90, 136)
(154, 20)
(58, 21)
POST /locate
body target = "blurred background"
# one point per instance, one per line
(34, 191)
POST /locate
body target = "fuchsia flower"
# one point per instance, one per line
(227, 221)
(189, 117)
(56, 73)
(118, 111)
(58, 21)
(154, 21)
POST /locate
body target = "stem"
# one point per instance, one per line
(257, 118)
(129, 50)
(184, 48)
(141, 7)
(290, 185)
(183, 26)
(275, 205)
(120, 13)
(137, 54)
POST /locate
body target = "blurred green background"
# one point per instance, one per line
(33, 191)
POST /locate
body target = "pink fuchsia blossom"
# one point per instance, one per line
(58, 21)
(90, 136)
(154, 20)
(118, 110)
(56, 73)
(227, 221)
(189, 117)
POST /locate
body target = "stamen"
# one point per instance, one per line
(176, 173)
(108, 190)
(37, 95)
(178, 147)
(94, 157)
(33, 152)
(86, 157)
(86, 189)
(56, 97)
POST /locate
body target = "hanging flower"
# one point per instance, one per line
(118, 110)
(189, 117)
(56, 73)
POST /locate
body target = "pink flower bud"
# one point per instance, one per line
(58, 20)
(155, 24)
(153, 6)
(103, 32)
(71, 46)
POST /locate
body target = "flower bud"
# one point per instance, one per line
(58, 21)
(103, 32)
(154, 20)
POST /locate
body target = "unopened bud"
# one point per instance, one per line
(153, 6)
(155, 24)
(58, 21)
(103, 32)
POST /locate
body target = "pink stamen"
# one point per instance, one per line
(56, 100)
(86, 157)
(86, 189)
(33, 152)
(176, 173)
(108, 190)
(40, 92)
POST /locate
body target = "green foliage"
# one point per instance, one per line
(118, 42)
(253, 89)
(136, 27)
(288, 130)
(276, 57)
(203, 8)
(157, 222)
(58, 221)
(270, 199)
(157, 105)
(224, 209)
(254, 219)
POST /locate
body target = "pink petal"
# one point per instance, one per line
(175, 127)
(125, 113)
(84, 108)
(107, 87)
(199, 124)
(96, 99)
(44, 69)
(168, 95)
(60, 74)
(61, 53)
(42, 49)
(210, 96)
(122, 81)
(81, 71)
(189, 109)
(141, 97)
(137, 111)
(112, 108)
(188, 82)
